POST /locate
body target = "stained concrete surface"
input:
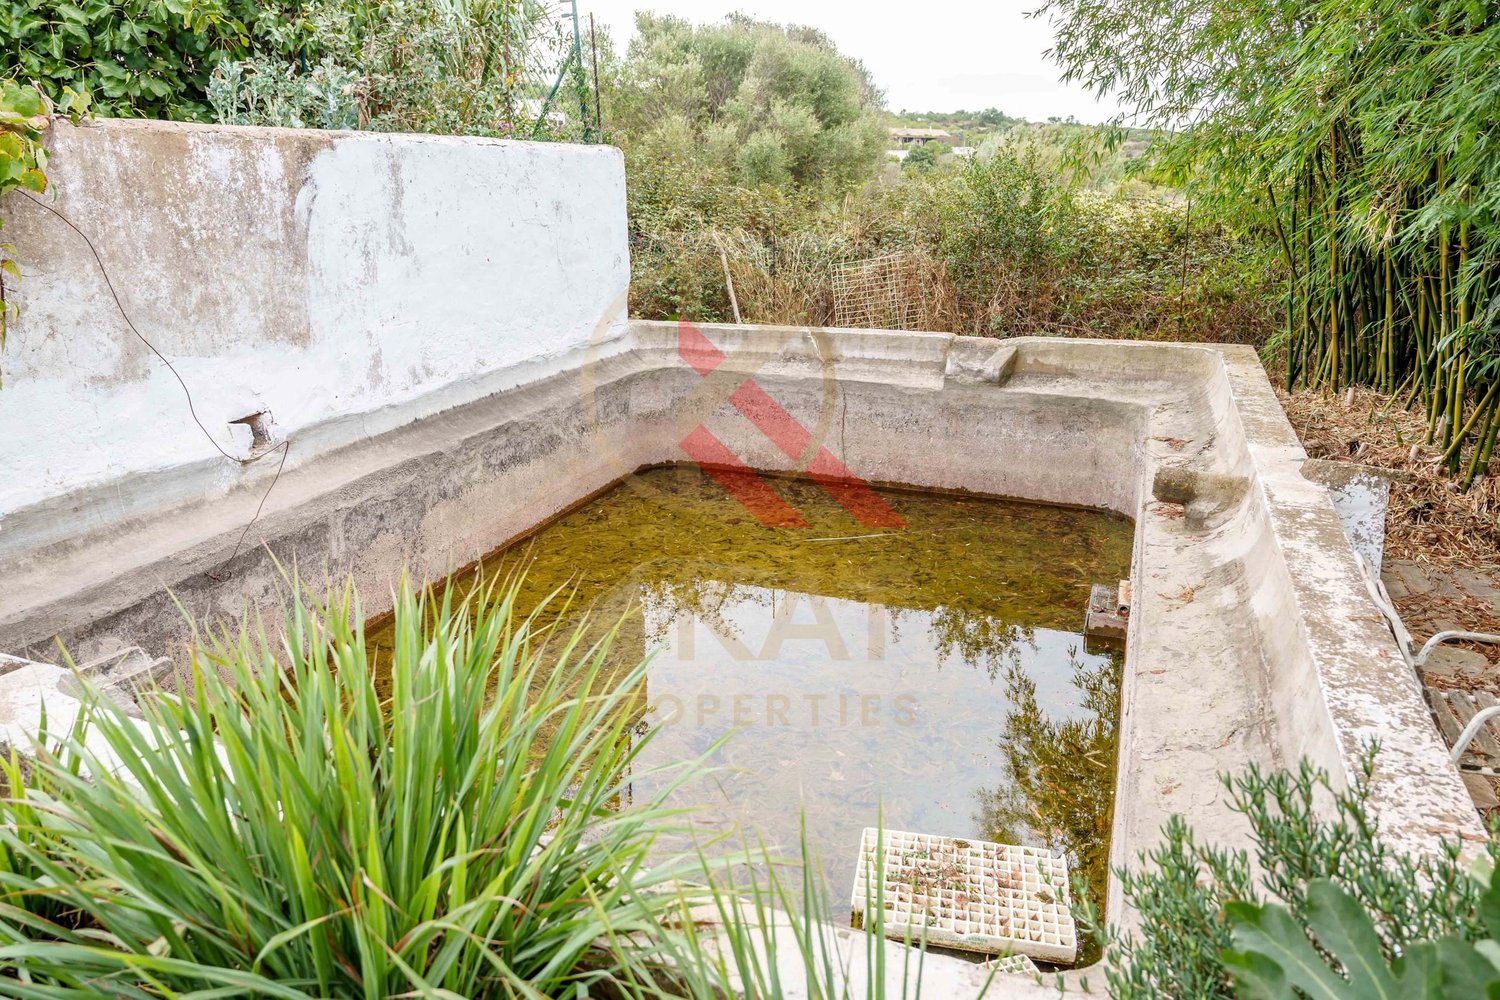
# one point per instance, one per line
(1251, 636)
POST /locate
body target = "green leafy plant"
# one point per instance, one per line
(282, 829)
(757, 103)
(140, 58)
(1338, 953)
(1381, 189)
(921, 157)
(23, 162)
(1209, 926)
(461, 67)
(997, 246)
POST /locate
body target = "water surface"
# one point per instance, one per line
(934, 673)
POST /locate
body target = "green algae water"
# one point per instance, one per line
(932, 677)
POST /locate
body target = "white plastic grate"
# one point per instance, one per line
(969, 895)
(1012, 965)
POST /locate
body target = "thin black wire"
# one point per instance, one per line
(285, 446)
(286, 449)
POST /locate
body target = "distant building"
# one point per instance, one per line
(912, 136)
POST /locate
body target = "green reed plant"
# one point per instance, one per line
(282, 829)
(731, 937)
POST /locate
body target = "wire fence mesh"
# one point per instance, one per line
(889, 292)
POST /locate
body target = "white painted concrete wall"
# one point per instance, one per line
(320, 276)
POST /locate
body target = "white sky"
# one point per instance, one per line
(937, 56)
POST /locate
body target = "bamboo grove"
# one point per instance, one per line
(1364, 137)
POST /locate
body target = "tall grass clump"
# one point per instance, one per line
(280, 831)
(1364, 137)
(282, 828)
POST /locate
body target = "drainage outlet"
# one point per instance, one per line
(996, 899)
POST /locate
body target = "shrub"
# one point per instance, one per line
(459, 66)
(139, 58)
(1364, 136)
(997, 247)
(921, 157)
(464, 67)
(1208, 925)
(763, 103)
(283, 830)
(1339, 952)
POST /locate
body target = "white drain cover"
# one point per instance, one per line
(969, 895)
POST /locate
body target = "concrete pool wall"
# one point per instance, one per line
(340, 283)
(1251, 636)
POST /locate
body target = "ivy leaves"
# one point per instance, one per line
(22, 118)
(23, 162)
(139, 58)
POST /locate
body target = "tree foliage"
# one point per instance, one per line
(457, 67)
(139, 58)
(1365, 135)
(755, 103)
(451, 66)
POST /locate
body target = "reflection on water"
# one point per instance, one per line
(934, 673)
(1043, 753)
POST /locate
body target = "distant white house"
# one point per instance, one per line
(912, 136)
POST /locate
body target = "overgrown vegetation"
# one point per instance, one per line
(744, 102)
(1365, 135)
(139, 58)
(998, 245)
(457, 67)
(331, 845)
(1329, 908)
(22, 165)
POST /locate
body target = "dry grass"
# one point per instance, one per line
(1430, 520)
(1452, 535)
